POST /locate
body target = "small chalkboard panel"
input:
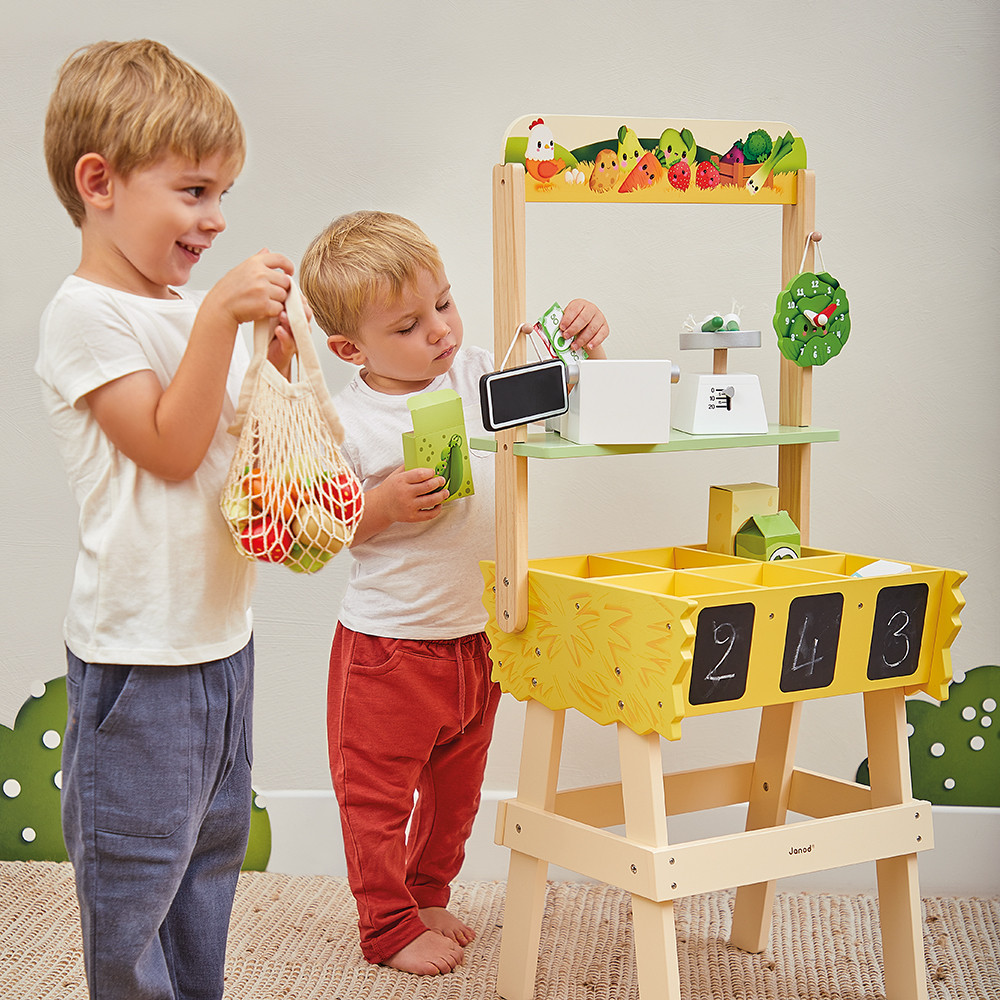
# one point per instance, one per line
(897, 630)
(721, 654)
(811, 641)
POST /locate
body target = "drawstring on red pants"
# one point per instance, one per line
(462, 694)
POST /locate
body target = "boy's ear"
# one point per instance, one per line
(93, 180)
(345, 349)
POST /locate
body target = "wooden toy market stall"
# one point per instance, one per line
(643, 639)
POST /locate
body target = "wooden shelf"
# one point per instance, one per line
(548, 444)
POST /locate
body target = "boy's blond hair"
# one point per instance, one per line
(358, 259)
(133, 102)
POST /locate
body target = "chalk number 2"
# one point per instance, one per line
(721, 654)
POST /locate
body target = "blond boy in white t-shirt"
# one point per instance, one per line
(139, 379)
(411, 702)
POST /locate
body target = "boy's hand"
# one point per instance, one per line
(281, 348)
(255, 289)
(407, 495)
(584, 325)
(167, 431)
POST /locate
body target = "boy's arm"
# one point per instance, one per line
(409, 495)
(167, 431)
(584, 325)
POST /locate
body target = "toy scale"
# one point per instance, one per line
(720, 402)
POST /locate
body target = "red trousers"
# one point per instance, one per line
(406, 716)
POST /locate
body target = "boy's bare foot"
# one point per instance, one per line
(437, 918)
(431, 954)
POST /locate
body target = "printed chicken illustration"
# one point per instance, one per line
(540, 159)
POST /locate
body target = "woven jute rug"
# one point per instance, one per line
(295, 938)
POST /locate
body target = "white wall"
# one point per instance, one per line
(402, 106)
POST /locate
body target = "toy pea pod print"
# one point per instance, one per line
(812, 319)
(451, 466)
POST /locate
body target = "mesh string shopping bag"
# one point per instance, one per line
(289, 497)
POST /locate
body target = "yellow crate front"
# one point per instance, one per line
(648, 637)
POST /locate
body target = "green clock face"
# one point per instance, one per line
(812, 319)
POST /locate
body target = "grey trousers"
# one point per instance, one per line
(156, 814)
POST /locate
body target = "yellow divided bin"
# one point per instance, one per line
(647, 637)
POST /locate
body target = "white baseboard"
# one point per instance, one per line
(306, 840)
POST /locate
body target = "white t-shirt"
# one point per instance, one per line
(158, 579)
(418, 581)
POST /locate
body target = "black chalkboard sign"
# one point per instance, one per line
(897, 630)
(811, 640)
(721, 654)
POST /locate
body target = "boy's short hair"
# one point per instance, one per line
(358, 259)
(133, 102)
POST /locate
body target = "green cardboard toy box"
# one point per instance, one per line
(438, 440)
(769, 537)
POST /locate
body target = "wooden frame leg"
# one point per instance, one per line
(768, 806)
(898, 889)
(522, 922)
(646, 823)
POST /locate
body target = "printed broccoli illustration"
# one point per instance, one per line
(757, 146)
(955, 746)
(31, 777)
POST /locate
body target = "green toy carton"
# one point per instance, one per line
(438, 440)
(769, 537)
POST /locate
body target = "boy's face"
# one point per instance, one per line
(157, 222)
(405, 343)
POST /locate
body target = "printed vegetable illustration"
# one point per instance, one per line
(645, 173)
(756, 146)
(604, 176)
(674, 146)
(707, 175)
(451, 466)
(612, 160)
(812, 319)
(778, 150)
(679, 175)
(630, 150)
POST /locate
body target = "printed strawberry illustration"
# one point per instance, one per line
(707, 175)
(679, 175)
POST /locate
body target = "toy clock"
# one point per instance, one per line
(644, 639)
(812, 318)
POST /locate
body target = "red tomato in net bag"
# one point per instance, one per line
(341, 495)
(266, 538)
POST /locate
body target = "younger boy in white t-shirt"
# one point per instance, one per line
(411, 703)
(139, 381)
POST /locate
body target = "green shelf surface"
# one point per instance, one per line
(548, 444)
